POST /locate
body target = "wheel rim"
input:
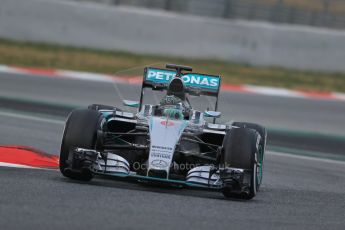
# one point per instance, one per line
(255, 173)
(259, 167)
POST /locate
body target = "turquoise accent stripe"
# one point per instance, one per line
(151, 124)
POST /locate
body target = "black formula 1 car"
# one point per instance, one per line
(169, 142)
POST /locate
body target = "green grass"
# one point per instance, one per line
(63, 57)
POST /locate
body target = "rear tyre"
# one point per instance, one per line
(240, 147)
(80, 131)
(258, 128)
(262, 147)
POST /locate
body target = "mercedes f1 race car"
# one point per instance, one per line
(169, 142)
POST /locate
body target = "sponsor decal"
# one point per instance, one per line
(161, 152)
(159, 163)
(167, 123)
(162, 75)
(200, 80)
(163, 141)
(189, 79)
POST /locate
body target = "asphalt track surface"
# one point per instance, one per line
(297, 192)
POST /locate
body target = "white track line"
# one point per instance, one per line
(11, 165)
(31, 117)
(323, 160)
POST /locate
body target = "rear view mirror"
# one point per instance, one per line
(214, 114)
(133, 104)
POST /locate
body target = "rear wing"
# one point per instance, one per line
(195, 83)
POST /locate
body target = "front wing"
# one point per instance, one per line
(200, 177)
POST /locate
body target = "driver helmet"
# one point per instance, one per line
(177, 88)
(173, 103)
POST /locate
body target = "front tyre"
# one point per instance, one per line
(240, 148)
(262, 147)
(80, 131)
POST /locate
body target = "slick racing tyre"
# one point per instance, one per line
(80, 131)
(240, 147)
(262, 147)
(258, 128)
